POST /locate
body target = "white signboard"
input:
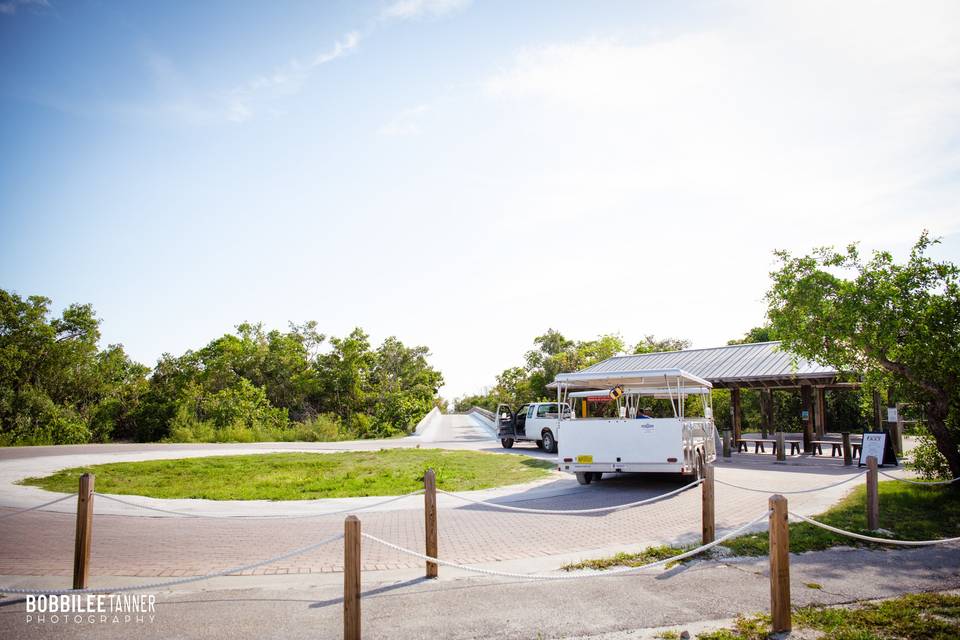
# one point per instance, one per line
(873, 444)
(891, 414)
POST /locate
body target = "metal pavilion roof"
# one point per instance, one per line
(760, 364)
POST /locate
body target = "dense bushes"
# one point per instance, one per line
(58, 387)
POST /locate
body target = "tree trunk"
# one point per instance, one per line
(947, 444)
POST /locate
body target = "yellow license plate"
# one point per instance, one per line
(584, 459)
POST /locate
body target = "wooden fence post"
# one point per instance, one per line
(726, 443)
(781, 449)
(707, 517)
(779, 565)
(81, 548)
(430, 515)
(351, 578)
(873, 495)
(847, 455)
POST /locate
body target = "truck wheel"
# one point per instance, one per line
(549, 444)
(584, 477)
(698, 467)
(506, 443)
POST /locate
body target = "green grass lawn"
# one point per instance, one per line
(911, 512)
(302, 476)
(916, 616)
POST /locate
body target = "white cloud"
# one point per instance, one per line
(405, 123)
(412, 9)
(836, 115)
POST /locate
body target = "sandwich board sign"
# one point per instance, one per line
(878, 445)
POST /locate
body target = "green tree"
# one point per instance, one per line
(652, 344)
(764, 333)
(896, 323)
(403, 386)
(344, 373)
(56, 386)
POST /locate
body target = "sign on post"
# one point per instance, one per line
(877, 444)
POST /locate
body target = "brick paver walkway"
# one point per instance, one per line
(41, 543)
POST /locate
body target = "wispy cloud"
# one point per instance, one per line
(10, 7)
(405, 123)
(241, 102)
(414, 9)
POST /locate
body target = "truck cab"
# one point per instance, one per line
(536, 422)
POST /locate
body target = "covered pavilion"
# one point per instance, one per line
(761, 366)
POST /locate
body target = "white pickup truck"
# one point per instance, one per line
(633, 442)
(535, 422)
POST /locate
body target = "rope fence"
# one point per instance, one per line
(37, 507)
(562, 512)
(298, 516)
(180, 581)
(787, 493)
(860, 536)
(568, 576)
(926, 483)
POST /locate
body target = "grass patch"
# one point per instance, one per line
(918, 616)
(648, 555)
(302, 476)
(910, 512)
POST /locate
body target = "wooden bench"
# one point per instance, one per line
(758, 445)
(836, 447)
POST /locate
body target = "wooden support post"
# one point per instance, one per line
(707, 511)
(806, 406)
(726, 443)
(877, 417)
(820, 405)
(84, 534)
(351, 578)
(779, 565)
(737, 407)
(873, 496)
(898, 443)
(781, 447)
(766, 412)
(847, 455)
(430, 516)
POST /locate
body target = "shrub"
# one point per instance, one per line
(927, 460)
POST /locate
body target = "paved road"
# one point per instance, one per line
(129, 542)
(410, 607)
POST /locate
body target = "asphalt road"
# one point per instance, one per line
(492, 608)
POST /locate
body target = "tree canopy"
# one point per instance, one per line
(58, 386)
(897, 323)
(553, 353)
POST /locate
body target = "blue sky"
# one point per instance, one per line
(462, 175)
